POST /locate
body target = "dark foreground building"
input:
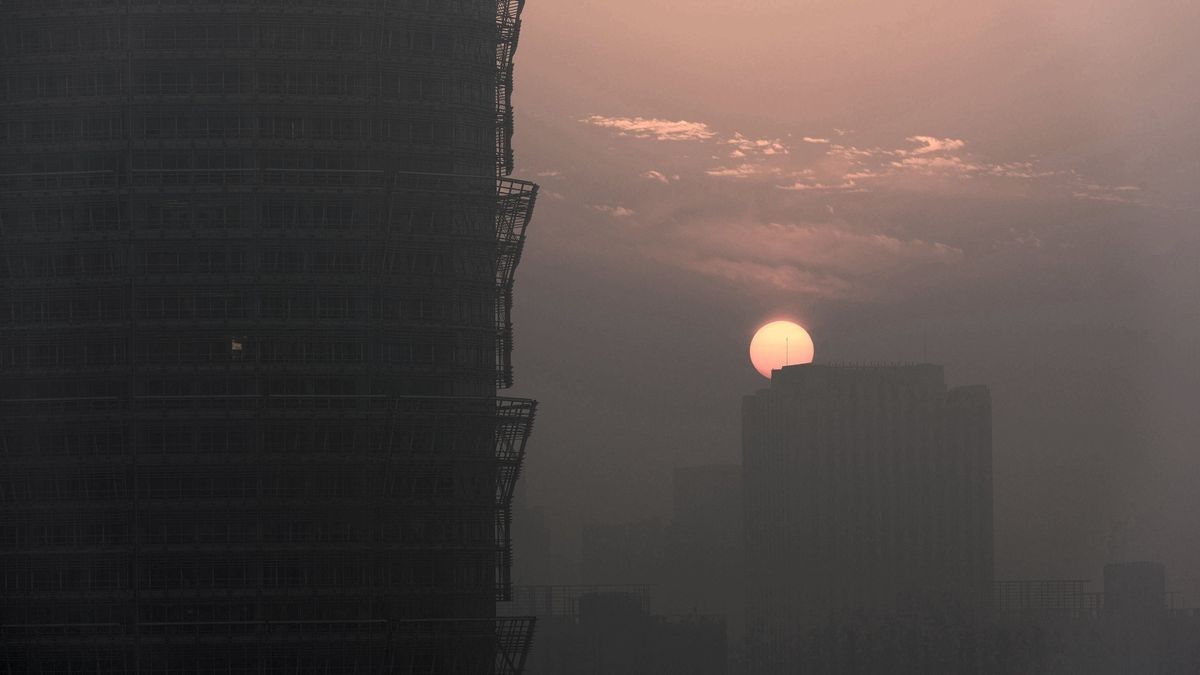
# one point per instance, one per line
(868, 495)
(254, 311)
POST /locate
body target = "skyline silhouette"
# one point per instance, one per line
(268, 374)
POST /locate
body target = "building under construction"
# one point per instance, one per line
(257, 260)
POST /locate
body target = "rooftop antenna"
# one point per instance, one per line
(787, 361)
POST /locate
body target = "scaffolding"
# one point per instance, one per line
(508, 27)
(394, 469)
(402, 440)
(515, 210)
(510, 203)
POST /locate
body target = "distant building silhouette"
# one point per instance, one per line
(704, 557)
(254, 311)
(1135, 586)
(1130, 627)
(610, 630)
(534, 560)
(622, 553)
(868, 491)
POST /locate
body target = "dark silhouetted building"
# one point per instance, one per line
(254, 311)
(868, 492)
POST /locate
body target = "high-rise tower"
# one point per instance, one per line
(255, 286)
(868, 491)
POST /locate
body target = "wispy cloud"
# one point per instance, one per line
(744, 170)
(747, 147)
(614, 211)
(930, 144)
(837, 217)
(1026, 170)
(827, 261)
(656, 176)
(1112, 194)
(853, 153)
(913, 163)
(926, 164)
(654, 128)
(844, 186)
(854, 168)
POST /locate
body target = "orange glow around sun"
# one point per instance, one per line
(779, 344)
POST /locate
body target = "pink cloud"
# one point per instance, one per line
(653, 128)
(614, 211)
(744, 146)
(845, 167)
(744, 170)
(801, 186)
(938, 164)
(1112, 194)
(931, 144)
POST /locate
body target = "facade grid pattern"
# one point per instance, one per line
(256, 271)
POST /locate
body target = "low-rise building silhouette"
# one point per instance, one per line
(610, 630)
(1130, 627)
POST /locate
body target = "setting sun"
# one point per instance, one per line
(779, 344)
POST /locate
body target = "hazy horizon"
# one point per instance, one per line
(1005, 187)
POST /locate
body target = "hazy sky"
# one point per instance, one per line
(1007, 186)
